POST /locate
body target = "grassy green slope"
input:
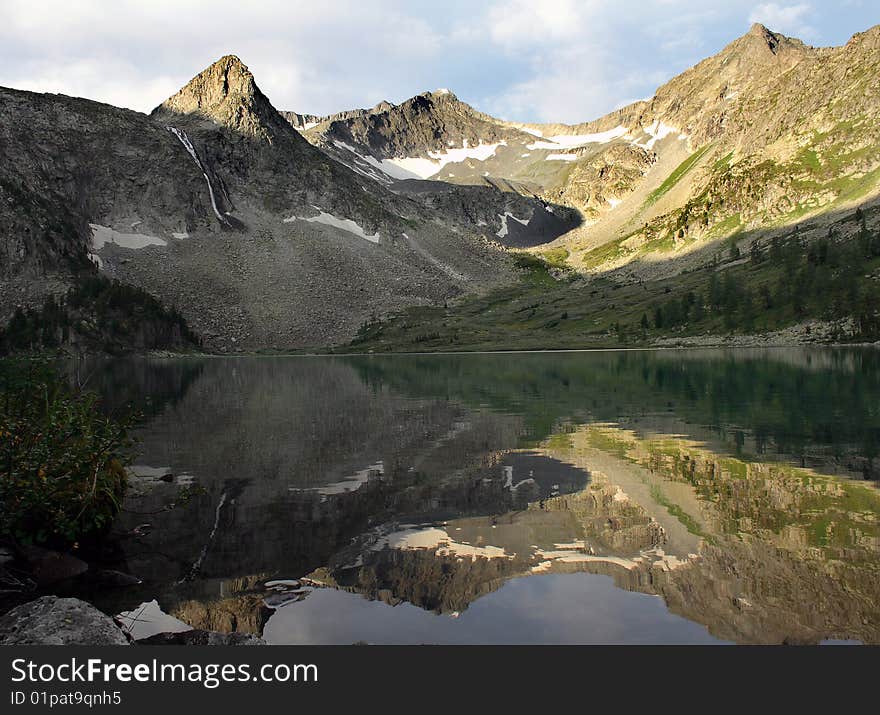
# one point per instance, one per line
(780, 283)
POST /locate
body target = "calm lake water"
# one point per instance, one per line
(606, 497)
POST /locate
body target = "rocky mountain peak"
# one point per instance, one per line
(870, 38)
(443, 93)
(761, 43)
(441, 97)
(767, 37)
(759, 30)
(227, 94)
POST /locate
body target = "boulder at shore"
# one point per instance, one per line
(50, 620)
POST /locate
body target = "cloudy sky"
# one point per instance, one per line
(526, 60)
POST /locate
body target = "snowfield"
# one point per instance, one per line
(102, 235)
(425, 168)
(344, 224)
(656, 132)
(503, 231)
(575, 141)
(413, 167)
(659, 131)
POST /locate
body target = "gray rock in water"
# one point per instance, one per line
(50, 620)
(48, 567)
(198, 637)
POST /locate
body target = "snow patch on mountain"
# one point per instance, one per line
(561, 157)
(369, 166)
(575, 141)
(102, 235)
(386, 168)
(422, 168)
(657, 132)
(503, 231)
(344, 224)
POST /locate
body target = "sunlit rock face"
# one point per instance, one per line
(226, 93)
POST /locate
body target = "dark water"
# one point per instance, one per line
(609, 497)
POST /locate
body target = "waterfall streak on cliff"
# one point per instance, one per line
(184, 139)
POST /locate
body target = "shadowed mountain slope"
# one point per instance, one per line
(218, 207)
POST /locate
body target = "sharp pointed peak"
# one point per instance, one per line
(382, 106)
(230, 60)
(441, 93)
(226, 93)
(761, 41)
(213, 85)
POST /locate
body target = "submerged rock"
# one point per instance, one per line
(112, 578)
(199, 637)
(50, 620)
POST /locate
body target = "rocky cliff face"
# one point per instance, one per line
(429, 122)
(67, 162)
(226, 94)
(216, 205)
(301, 122)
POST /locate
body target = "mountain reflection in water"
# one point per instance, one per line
(497, 498)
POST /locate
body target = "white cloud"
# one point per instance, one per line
(527, 22)
(123, 87)
(551, 60)
(787, 19)
(305, 55)
(585, 58)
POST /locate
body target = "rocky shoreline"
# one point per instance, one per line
(50, 620)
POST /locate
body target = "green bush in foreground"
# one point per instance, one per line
(62, 461)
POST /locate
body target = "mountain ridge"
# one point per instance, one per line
(763, 96)
(216, 206)
(281, 230)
